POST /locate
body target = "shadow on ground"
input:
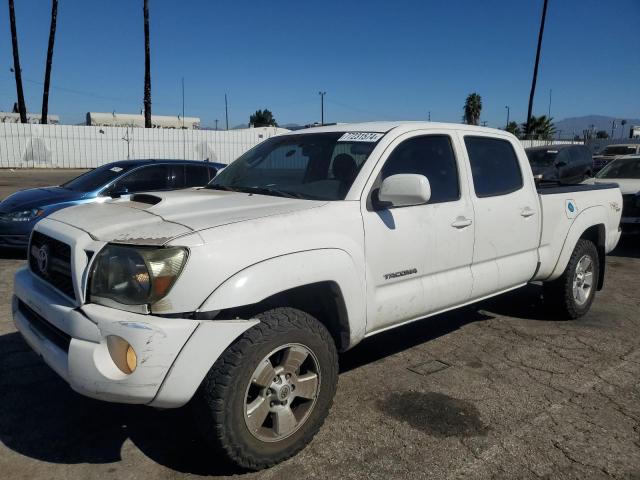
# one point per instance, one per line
(628, 247)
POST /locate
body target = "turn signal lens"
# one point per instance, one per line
(132, 359)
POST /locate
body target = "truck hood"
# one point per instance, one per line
(159, 217)
(627, 185)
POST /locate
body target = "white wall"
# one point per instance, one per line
(68, 146)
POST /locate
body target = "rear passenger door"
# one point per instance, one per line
(505, 201)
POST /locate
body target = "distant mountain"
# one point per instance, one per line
(576, 125)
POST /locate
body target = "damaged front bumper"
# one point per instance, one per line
(173, 355)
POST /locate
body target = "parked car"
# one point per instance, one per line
(20, 211)
(625, 171)
(610, 152)
(237, 297)
(567, 164)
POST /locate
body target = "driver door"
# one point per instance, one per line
(419, 257)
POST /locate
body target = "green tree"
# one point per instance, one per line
(602, 134)
(541, 128)
(147, 67)
(47, 71)
(263, 118)
(513, 128)
(472, 109)
(22, 108)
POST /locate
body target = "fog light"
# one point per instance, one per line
(132, 359)
(122, 354)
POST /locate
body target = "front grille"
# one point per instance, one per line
(50, 259)
(631, 205)
(44, 328)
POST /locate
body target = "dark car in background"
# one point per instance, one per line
(20, 211)
(566, 164)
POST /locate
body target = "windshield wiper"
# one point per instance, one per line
(258, 190)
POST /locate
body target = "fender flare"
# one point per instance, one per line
(595, 216)
(271, 276)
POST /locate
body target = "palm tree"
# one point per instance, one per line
(263, 118)
(22, 108)
(514, 128)
(47, 71)
(472, 109)
(147, 67)
(540, 128)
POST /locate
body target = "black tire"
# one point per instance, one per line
(559, 293)
(219, 405)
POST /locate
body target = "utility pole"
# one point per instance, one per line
(508, 113)
(183, 103)
(549, 111)
(535, 69)
(484, 123)
(322, 94)
(429, 115)
(216, 124)
(226, 110)
(613, 128)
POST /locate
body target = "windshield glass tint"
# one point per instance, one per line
(542, 158)
(96, 178)
(313, 166)
(627, 168)
(618, 150)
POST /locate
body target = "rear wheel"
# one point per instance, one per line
(574, 291)
(269, 393)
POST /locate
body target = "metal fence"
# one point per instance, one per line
(68, 146)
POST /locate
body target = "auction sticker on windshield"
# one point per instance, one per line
(361, 137)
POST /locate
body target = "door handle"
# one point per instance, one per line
(461, 222)
(527, 212)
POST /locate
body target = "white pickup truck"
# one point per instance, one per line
(236, 298)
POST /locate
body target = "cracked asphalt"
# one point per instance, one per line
(501, 389)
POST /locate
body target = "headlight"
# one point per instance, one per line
(23, 216)
(135, 275)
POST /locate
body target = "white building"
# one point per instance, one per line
(99, 119)
(10, 117)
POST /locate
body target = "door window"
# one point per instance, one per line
(431, 156)
(196, 176)
(494, 165)
(149, 178)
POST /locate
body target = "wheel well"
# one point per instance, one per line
(597, 235)
(322, 300)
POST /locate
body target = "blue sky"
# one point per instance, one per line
(376, 60)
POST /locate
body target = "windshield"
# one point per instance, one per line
(621, 168)
(318, 166)
(618, 150)
(542, 158)
(96, 178)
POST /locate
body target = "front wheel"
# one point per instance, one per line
(574, 291)
(269, 393)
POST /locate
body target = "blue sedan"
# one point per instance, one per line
(20, 211)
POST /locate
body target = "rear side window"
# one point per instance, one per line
(145, 179)
(494, 165)
(431, 156)
(196, 176)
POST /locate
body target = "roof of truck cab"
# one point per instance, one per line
(384, 127)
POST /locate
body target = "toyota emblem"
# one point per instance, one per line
(43, 259)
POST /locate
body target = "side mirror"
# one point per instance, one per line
(404, 190)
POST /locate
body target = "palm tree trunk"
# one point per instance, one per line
(535, 69)
(47, 71)
(147, 68)
(16, 64)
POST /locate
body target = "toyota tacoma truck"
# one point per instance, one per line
(236, 298)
